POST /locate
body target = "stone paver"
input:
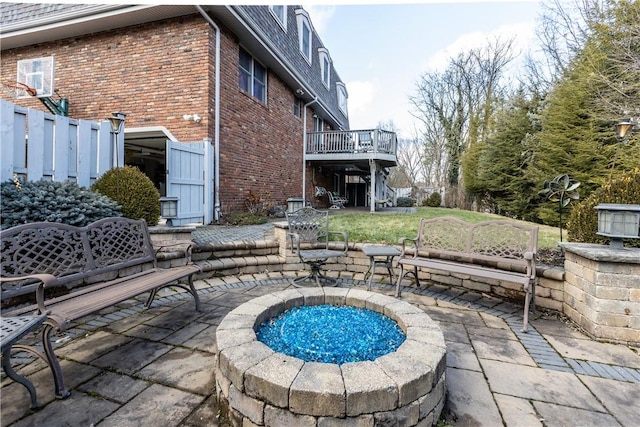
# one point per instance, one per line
(131, 366)
(539, 384)
(156, 406)
(517, 411)
(620, 399)
(469, 399)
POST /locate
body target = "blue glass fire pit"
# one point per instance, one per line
(331, 334)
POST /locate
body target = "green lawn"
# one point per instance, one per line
(388, 228)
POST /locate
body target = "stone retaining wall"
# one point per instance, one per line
(602, 291)
(549, 281)
(260, 387)
(249, 257)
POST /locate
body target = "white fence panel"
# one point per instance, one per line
(37, 145)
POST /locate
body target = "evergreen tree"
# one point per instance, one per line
(505, 158)
(573, 139)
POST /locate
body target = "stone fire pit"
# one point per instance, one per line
(256, 385)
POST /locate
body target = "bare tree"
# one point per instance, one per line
(562, 32)
(618, 46)
(456, 108)
(599, 32)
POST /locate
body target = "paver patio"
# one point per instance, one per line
(133, 367)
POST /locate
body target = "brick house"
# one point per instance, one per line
(254, 82)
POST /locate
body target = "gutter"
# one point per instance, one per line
(304, 151)
(216, 139)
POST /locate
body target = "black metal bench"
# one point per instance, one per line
(499, 250)
(11, 330)
(94, 267)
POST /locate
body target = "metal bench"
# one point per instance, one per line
(499, 250)
(103, 264)
(12, 329)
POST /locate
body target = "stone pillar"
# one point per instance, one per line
(602, 290)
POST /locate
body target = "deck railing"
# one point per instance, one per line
(352, 141)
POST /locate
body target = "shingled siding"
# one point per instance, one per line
(156, 73)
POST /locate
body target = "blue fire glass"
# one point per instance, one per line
(331, 334)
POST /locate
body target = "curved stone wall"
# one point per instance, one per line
(258, 386)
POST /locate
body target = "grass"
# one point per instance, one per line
(388, 228)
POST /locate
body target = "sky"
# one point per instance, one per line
(380, 50)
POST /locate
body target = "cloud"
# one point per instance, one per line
(371, 103)
(523, 34)
(362, 95)
(320, 16)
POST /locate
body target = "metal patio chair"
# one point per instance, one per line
(310, 239)
(336, 201)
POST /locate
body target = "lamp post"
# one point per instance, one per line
(117, 121)
(624, 127)
(622, 130)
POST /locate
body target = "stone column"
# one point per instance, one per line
(602, 290)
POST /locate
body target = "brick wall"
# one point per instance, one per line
(159, 71)
(154, 73)
(260, 144)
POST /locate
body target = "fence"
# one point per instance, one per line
(36, 145)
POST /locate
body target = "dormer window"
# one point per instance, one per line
(325, 66)
(304, 33)
(279, 12)
(342, 97)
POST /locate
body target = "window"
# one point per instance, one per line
(325, 66)
(252, 77)
(304, 33)
(297, 107)
(280, 13)
(36, 73)
(342, 97)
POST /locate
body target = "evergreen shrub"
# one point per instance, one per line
(134, 192)
(433, 201)
(63, 202)
(583, 219)
(405, 202)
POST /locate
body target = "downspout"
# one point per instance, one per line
(216, 139)
(304, 151)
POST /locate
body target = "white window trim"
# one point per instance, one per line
(302, 17)
(323, 53)
(282, 22)
(342, 90)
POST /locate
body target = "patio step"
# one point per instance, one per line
(239, 257)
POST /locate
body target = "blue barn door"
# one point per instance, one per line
(186, 179)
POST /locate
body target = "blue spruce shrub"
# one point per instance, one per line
(64, 202)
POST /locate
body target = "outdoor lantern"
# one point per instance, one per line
(624, 127)
(618, 221)
(116, 120)
(169, 208)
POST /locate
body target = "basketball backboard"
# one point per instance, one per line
(38, 74)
